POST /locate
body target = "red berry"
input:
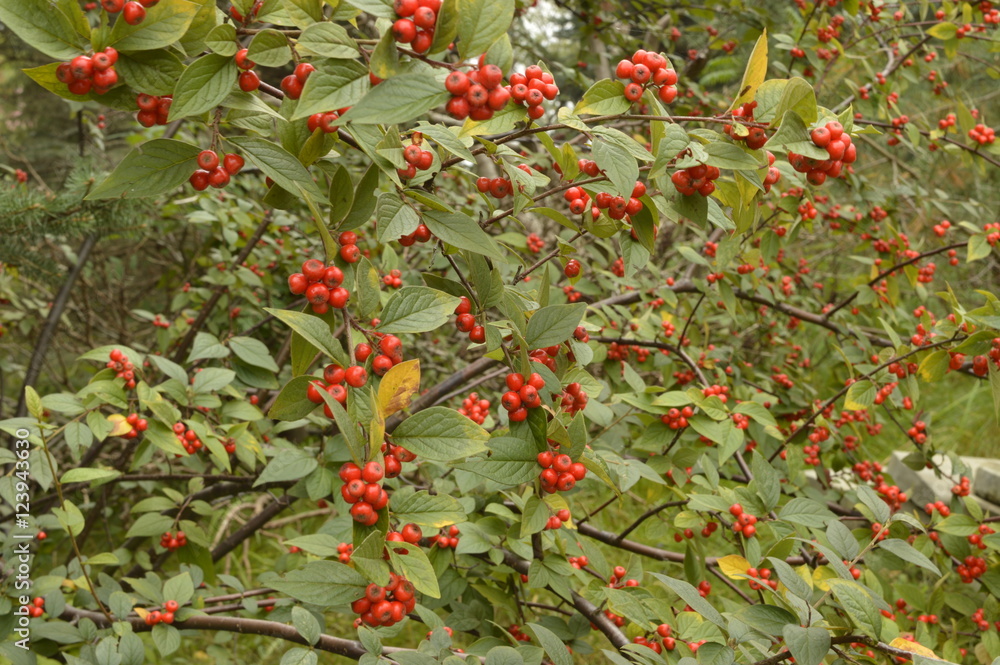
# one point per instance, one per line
(133, 13)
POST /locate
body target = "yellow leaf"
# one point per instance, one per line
(912, 647)
(755, 72)
(398, 386)
(120, 425)
(141, 611)
(821, 575)
(734, 566)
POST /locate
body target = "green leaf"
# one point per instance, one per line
(204, 85)
(304, 12)
(166, 638)
(806, 512)
(425, 509)
(314, 330)
(305, 623)
(269, 48)
(462, 231)
(799, 97)
(380, 8)
(943, 31)
(222, 40)
(606, 97)
(279, 165)
(730, 156)
(908, 553)
(552, 644)
(768, 619)
(152, 72)
(179, 588)
(322, 583)
(320, 544)
(289, 464)
(33, 402)
(510, 462)
(619, 165)
(414, 565)
(86, 475)
(860, 395)
(858, 605)
(481, 23)
(794, 137)
(808, 646)
(212, 379)
(691, 596)
(368, 288)
(395, 218)
(977, 248)
(328, 40)
(553, 324)
(253, 352)
(415, 309)
(344, 84)
(163, 25)
(399, 99)
(442, 434)
(151, 169)
(42, 27)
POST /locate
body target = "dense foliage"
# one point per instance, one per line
(451, 330)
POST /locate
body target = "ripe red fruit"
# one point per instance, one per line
(82, 67)
(356, 376)
(249, 81)
(424, 17)
(199, 180)
(291, 86)
(362, 352)
(457, 83)
(511, 401)
(242, 61)
(404, 31)
(821, 136)
(514, 381)
(303, 70)
(317, 294)
(372, 473)
(350, 253)
(572, 268)
(478, 334)
(233, 163)
(405, 8)
(133, 13)
(218, 177)
(624, 69)
(465, 322)
(208, 159)
(171, 606)
(381, 365)
(112, 6)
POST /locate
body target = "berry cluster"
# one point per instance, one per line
(321, 285)
(962, 487)
(153, 110)
(579, 200)
(94, 73)
(578, 562)
(837, 143)
(522, 395)
(292, 84)
(773, 174)
(532, 88)
(133, 11)
(574, 398)
(677, 418)
(415, 25)
(325, 122)
(138, 425)
(394, 456)
(187, 438)
(744, 522)
(516, 632)
(535, 243)
(478, 94)
(344, 552)
(417, 159)
(394, 279)
(173, 541)
(971, 568)
(349, 251)
(556, 521)
(166, 616)
(214, 172)
(498, 188)
(618, 207)
(755, 137)
(466, 322)
(646, 69)
(448, 538)
(37, 607)
(982, 134)
(363, 490)
(247, 79)
(475, 409)
(696, 179)
(976, 539)
(422, 234)
(918, 433)
(410, 533)
(124, 369)
(977, 618)
(559, 472)
(385, 606)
